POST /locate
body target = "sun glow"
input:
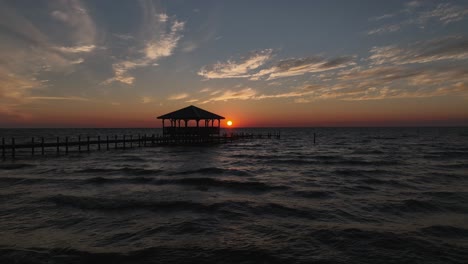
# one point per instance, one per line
(229, 123)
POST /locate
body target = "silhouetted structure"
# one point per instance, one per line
(207, 132)
(186, 123)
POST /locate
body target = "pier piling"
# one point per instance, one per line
(3, 148)
(13, 147)
(42, 146)
(32, 146)
(66, 145)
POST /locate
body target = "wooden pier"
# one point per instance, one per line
(63, 145)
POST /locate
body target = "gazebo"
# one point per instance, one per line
(186, 122)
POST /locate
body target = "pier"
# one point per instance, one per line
(187, 126)
(64, 145)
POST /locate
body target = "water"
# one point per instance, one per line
(360, 195)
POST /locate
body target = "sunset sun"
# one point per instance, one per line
(229, 123)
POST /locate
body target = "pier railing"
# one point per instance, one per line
(64, 145)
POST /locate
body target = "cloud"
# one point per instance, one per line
(365, 83)
(251, 94)
(76, 49)
(384, 29)
(189, 46)
(303, 91)
(244, 94)
(164, 36)
(75, 17)
(445, 13)
(14, 87)
(385, 16)
(27, 52)
(123, 36)
(449, 48)
(399, 81)
(252, 66)
(178, 96)
(9, 113)
(147, 99)
(294, 67)
(162, 17)
(66, 98)
(413, 14)
(237, 69)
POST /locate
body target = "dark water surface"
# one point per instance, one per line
(360, 195)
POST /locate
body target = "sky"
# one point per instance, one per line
(122, 63)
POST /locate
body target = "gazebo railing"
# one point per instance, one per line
(191, 131)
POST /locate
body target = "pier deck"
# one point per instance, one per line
(63, 145)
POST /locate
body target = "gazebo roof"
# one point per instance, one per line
(190, 112)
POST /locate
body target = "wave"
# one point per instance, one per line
(458, 197)
(15, 166)
(133, 180)
(358, 172)
(357, 162)
(20, 180)
(200, 182)
(108, 204)
(212, 171)
(454, 166)
(394, 183)
(238, 185)
(124, 170)
(227, 208)
(314, 194)
(367, 152)
(368, 246)
(446, 231)
(443, 155)
(419, 206)
(159, 254)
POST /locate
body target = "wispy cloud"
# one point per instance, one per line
(164, 35)
(179, 96)
(65, 98)
(399, 81)
(237, 69)
(382, 17)
(76, 49)
(27, 52)
(252, 94)
(445, 13)
(74, 15)
(448, 48)
(147, 99)
(294, 67)
(420, 13)
(253, 66)
(243, 94)
(385, 29)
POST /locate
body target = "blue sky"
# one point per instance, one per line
(121, 63)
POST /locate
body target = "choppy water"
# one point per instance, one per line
(360, 195)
